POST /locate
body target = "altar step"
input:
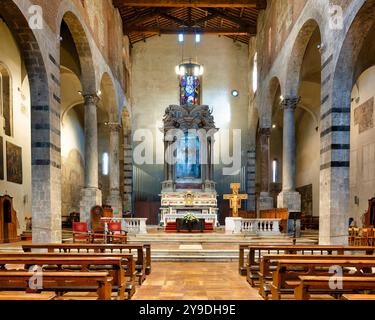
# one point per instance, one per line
(195, 255)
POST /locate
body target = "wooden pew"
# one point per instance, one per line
(143, 263)
(56, 281)
(314, 284)
(255, 253)
(20, 296)
(129, 263)
(285, 278)
(117, 271)
(360, 297)
(269, 262)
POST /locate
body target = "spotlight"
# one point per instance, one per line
(197, 38)
(235, 93)
(180, 37)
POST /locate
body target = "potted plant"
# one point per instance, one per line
(189, 220)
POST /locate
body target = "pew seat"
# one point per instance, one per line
(20, 296)
(59, 282)
(321, 284)
(360, 297)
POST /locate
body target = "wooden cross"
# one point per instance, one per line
(235, 198)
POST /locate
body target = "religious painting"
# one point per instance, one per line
(188, 158)
(1, 159)
(14, 163)
(190, 88)
(364, 116)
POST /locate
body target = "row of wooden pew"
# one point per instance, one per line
(339, 271)
(43, 271)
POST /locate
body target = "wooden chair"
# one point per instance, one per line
(357, 237)
(81, 232)
(115, 233)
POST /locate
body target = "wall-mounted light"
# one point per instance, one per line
(274, 126)
(235, 93)
(197, 38)
(99, 93)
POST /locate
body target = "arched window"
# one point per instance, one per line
(6, 100)
(255, 73)
(105, 164)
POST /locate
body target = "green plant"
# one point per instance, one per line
(190, 218)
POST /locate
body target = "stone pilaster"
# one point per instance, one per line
(289, 198)
(115, 200)
(91, 195)
(251, 179)
(128, 171)
(265, 201)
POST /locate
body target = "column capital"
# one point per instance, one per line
(265, 131)
(290, 102)
(114, 126)
(91, 98)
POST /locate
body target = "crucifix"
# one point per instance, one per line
(235, 198)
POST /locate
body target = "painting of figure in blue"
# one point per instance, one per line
(188, 166)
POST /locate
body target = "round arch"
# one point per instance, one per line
(79, 34)
(294, 66)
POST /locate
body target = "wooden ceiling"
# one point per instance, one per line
(236, 19)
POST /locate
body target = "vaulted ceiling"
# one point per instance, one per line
(236, 19)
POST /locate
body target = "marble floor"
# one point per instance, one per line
(195, 281)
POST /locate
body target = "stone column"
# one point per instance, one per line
(114, 170)
(289, 198)
(251, 179)
(91, 195)
(265, 201)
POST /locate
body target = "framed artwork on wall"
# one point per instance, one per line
(14, 163)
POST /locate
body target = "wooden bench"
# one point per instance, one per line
(255, 253)
(19, 296)
(285, 278)
(269, 261)
(361, 297)
(129, 263)
(57, 281)
(83, 264)
(143, 263)
(314, 284)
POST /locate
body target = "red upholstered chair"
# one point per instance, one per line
(116, 234)
(81, 232)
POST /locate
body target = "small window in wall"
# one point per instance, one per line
(105, 164)
(275, 167)
(255, 73)
(6, 100)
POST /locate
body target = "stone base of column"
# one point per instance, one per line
(115, 202)
(90, 197)
(265, 202)
(291, 201)
(252, 203)
(127, 203)
(43, 235)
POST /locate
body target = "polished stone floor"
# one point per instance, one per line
(195, 281)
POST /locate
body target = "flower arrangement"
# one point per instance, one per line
(190, 218)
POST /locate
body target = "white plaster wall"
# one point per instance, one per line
(10, 56)
(155, 85)
(308, 142)
(362, 150)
